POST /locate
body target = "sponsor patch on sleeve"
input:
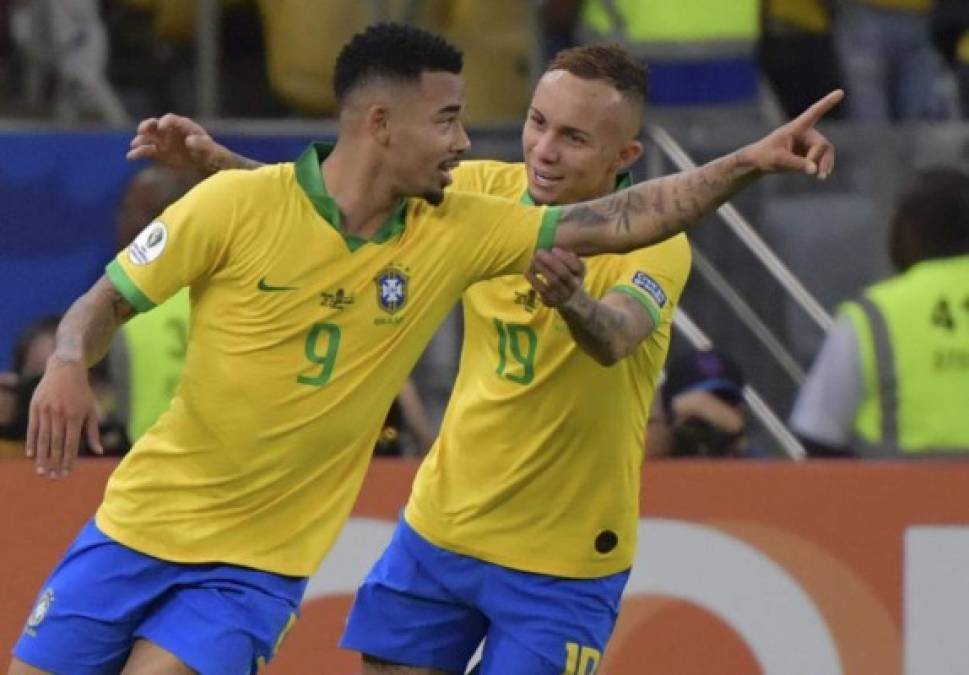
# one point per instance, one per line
(149, 244)
(646, 283)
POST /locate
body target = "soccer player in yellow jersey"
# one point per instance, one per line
(199, 553)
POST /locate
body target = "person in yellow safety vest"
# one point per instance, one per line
(699, 52)
(147, 355)
(892, 378)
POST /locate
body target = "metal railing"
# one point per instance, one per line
(733, 299)
(747, 235)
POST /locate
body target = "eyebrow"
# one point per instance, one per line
(576, 130)
(567, 130)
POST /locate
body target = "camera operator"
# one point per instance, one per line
(701, 411)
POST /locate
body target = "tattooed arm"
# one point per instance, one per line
(63, 405)
(609, 329)
(181, 142)
(655, 210)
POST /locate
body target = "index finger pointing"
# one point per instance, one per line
(819, 109)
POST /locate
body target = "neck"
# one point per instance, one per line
(363, 194)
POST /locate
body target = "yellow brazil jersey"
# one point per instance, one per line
(301, 336)
(537, 465)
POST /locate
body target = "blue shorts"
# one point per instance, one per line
(103, 596)
(423, 606)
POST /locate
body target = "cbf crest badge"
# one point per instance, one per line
(41, 608)
(391, 289)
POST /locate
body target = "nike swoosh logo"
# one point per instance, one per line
(263, 286)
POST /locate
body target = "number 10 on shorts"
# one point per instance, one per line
(580, 660)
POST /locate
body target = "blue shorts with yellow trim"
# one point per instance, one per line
(103, 596)
(424, 606)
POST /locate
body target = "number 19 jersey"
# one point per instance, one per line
(537, 466)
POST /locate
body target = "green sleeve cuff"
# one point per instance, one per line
(638, 296)
(546, 232)
(126, 287)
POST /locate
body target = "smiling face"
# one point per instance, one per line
(578, 135)
(425, 136)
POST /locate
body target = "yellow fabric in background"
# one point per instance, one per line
(807, 15)
(962, 48)
(917, 6)
(175, 19)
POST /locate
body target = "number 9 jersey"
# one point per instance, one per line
(301, 336)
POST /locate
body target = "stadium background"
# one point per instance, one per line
(866, 561)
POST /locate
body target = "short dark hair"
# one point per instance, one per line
(395, 51)
(931, 216)
(607, 62)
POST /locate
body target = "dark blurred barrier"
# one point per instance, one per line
(821, 569)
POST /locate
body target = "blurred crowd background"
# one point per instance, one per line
(77, 75)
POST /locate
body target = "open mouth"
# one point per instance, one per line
(445, 169)
(543, 179)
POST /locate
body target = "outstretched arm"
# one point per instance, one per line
(652, 211)
(63, 404)
(181, 142)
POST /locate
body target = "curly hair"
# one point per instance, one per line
(394, 51)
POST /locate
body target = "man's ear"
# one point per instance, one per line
(377, 123)
(628, 155)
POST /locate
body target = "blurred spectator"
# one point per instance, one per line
(497, 47)
(702, 411)
(892, 377)
(299, 59)
(493, 36)
(67, 41)
(10, 446)
(700, 52)
(798, 55)
(407, 431)
(153, 54)
(558, 21)
(149, 351)
(950, 32)
(892, 71)
(34, 346)
(6, 51)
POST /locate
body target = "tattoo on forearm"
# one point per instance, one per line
(120, 307)
(230, 160)
(86, 331)
(650, 212)
(598, 329)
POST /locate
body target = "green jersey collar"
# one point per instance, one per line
(310, 178)
(623, 180)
